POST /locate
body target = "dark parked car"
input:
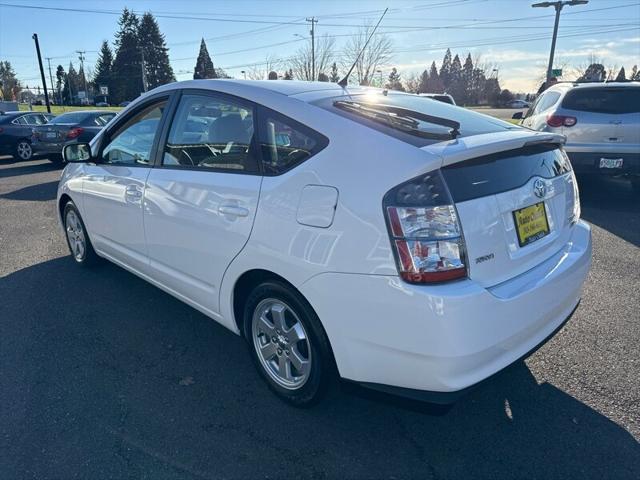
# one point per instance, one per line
(68, 128)
(15, 132)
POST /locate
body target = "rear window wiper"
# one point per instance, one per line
(402, 119)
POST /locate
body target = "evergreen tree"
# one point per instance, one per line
(445, 69)
(394, 82)
(334, 77)
(492, 91)
(102, 77)
(60, 76)
(71, 86)
(456, 86)
(467, 81)
(635, 73)
(621, 75)
(156, 57)
(126, 72)
(423, 82)
(435, 84)
(9, 84)
(288, 75)
(204, 65)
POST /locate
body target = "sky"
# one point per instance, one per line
(508, 35)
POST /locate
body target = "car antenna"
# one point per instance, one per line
(345, 80)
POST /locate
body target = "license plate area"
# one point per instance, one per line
(51, 135)
(611, 162)
(531, 223)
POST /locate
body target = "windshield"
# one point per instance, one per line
(471, 123)
(72, 117)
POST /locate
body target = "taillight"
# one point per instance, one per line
(425, 232)
(75, 132)
(561, 121)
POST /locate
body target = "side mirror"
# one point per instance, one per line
(76, 152)
(517, 116)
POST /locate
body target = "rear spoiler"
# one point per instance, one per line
(474, 146)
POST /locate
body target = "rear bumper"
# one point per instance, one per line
(44, 147)
(589, 162)
(441, 340)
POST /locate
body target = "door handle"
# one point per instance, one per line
(233, 210)
(133, 191)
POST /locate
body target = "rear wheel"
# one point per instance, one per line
(287, 343)
(23, 150)
(77, 238)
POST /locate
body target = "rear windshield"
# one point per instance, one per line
(471, 123)
(501, 172)
(72, 117)
(603, 100)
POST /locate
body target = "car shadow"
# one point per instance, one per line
(38, 192)
(611, 204)
(26, 168)
(103, 375)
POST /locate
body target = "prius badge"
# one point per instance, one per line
(539, 188)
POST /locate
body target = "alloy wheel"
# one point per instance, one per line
(24, 150)
(282, 343)
(75, 236)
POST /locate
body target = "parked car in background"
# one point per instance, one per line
(441, 97)
(124, 104)
(16, 131)
(518, 104)
(405, 244)
(71, 127)
(102, 104)
(601, 122)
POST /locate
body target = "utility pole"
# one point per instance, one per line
(313, 21)
(144, 71)
(84, 77)
(558, 7)
(44, 80)
(51, 78)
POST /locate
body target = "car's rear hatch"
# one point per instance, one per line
(515, 198)
(604, 115)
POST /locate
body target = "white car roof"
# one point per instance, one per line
(284, 87)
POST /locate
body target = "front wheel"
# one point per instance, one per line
(77, 238)
(23, 150)
(288, 344)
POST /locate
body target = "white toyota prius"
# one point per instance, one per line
(388, 239)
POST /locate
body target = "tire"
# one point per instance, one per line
(23, 150)
(296, 361)
(77, 239)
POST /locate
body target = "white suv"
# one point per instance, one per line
(601, 122)
(405, 244)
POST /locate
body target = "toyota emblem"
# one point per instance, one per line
(539, 188)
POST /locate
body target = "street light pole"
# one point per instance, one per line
(313, 21)
(558, 7)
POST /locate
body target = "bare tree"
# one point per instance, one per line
(412, 83)
(377, 54)
(301, 62)
(260, 72)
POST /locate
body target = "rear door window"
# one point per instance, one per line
(547, 101)
(212, 133)
(603, 100)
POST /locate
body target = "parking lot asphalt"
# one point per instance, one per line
(104, 376)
